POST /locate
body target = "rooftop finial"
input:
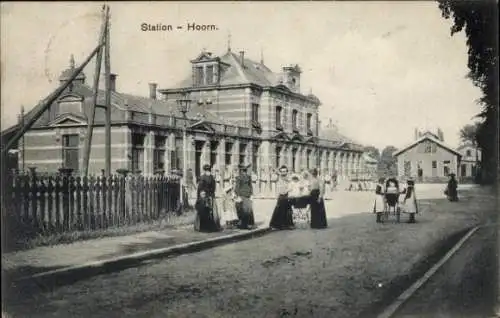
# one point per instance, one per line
(310, 91)
(261, 56)
(229, 41)
(72, 61)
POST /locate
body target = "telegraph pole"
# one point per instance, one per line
(107, 70)
(90, 127)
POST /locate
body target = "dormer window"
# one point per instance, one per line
(198, 76)
(210, 74)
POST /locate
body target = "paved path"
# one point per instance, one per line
(41, 259)
(355, 262)
(464, 287)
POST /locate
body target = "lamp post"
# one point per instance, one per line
(183, 105)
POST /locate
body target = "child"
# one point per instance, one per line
(379, 203)
(410, 201)
(228, 207)
(295, 186)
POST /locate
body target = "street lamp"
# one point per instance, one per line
(183, 105)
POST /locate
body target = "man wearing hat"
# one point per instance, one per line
(243, 190)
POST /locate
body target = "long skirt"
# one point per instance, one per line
(207, 216)
(378, 204)
(451, 193)
(318, 211)
(282, 217)
(229, 216)
(245, 213)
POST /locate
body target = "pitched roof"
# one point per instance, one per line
(369, 158)
(426, 137)
(248, 72)
(465, 145)
(331, 132)
(121, 102)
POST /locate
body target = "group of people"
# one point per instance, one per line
(387, 193)
(386, 188)
(292, 191)
(264, 182)
(208, 218)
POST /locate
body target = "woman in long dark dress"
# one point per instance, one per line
(207, 216)
(317, 204)
(282, 217)
(451, 189)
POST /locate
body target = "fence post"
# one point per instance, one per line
(122, 173)
(34, 197)
(66, 173)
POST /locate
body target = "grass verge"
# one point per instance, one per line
(171, 220)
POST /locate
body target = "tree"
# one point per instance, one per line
(468, 133)
(387, 165)
(479, 21)
(372, 152)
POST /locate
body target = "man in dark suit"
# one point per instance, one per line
(243, 190)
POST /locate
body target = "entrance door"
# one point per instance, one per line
(198, 145)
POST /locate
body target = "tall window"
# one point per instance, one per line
(294, 120)
(243, 148)
(278, 156)
(468, 153)
(228, 154)
(210, 74)
(255, 158)
(159, 153)
(137, 152)
(309, 124)
(279, 123)
(434, 164)
(198, 75)
(255, 113)
(70, 151)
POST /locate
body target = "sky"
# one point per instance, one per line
(380, 69)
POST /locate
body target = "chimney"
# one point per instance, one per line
(416, 134)
(242, 58)
(112, 82)
(152, 90)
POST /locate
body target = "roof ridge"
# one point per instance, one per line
(422, 138)
(239, 67)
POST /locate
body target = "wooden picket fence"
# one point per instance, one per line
(47, 204)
